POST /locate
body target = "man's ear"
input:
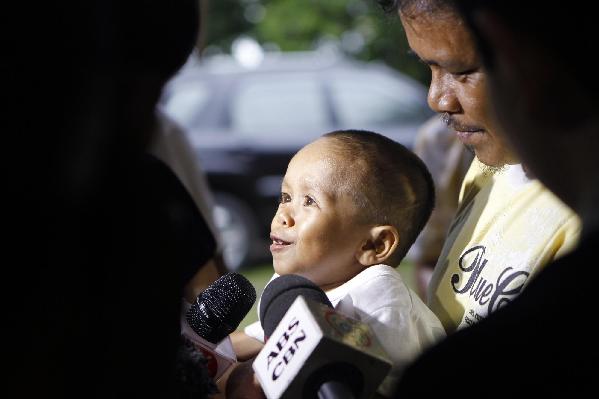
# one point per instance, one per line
(379, 246)
(495, 34)
(510, 54)
(525, 68)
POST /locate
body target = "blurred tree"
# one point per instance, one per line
(358, 27)
(224, 22)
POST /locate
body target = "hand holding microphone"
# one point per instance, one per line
(313, 351)
(216, 312)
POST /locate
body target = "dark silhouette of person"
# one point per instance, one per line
(101, 236)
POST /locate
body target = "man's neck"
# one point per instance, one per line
(489, 170)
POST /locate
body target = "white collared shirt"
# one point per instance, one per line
(400, 320)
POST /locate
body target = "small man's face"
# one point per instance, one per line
(458, 89)
(315, 231)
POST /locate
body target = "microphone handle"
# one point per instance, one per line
(334, 390)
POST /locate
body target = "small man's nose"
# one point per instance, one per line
(285, 218)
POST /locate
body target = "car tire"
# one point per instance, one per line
(237, 229)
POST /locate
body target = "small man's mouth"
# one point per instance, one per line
(278, 244)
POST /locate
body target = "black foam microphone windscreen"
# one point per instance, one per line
(221, 307)
(280, 293)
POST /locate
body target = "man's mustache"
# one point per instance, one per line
(455, 125)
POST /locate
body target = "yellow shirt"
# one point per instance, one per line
(507, 227)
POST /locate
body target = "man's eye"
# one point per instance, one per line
(462, 74)
(284, 198)
(308, 201)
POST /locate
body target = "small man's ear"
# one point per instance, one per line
(379, 246)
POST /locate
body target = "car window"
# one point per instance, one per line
(275, 103)
(186, 103)
(367, 99)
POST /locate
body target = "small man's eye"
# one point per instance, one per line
(308, 201)
(284, 198)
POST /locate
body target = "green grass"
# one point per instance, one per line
(260, 274)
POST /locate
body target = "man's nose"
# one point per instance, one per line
(441, 95)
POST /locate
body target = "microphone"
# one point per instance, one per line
(217, 312)
(280, 294)
(313, 351)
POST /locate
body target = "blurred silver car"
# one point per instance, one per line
(246, 124)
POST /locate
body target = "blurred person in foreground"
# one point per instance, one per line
(92, 298)
(448, 161)
(508, 226)
(171, 146)
(543, 342)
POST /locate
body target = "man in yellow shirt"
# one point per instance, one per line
(508, 225)
(544, 342)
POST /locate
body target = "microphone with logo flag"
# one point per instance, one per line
(217, 312)
(312, 351)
